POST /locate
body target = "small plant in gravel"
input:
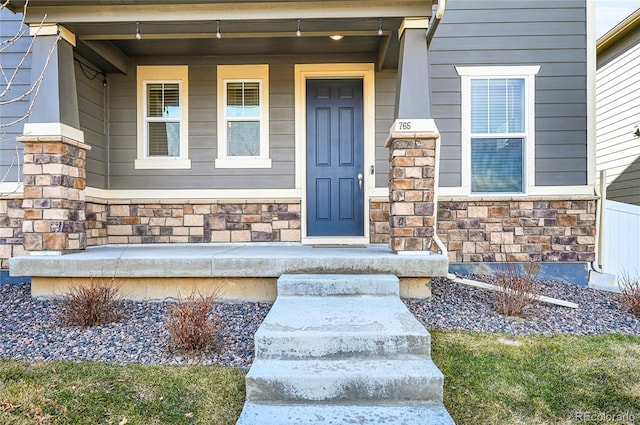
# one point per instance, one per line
(630, 292)
(518, 289)
(91, 304)
(189, 326)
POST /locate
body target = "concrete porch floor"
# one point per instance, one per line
(242, 271)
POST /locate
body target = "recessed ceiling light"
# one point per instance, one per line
(336, 37)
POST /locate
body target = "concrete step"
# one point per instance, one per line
(336, 284)
(339, 327)
(333, 414)
(335, 381)
(342, 349)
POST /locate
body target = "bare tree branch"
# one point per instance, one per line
(13, 93)
(32, 92)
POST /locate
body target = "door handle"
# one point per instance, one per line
(360, 178)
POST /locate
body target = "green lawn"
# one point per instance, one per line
(539, 380)
(98, 393)
(489, 380)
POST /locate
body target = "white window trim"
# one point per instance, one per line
(528, 73)
(237, 73)
(163, 74)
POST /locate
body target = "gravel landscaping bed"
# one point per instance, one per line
(30, 330)
(457, 306)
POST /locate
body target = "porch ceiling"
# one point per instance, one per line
(242, 38)
(248, 27)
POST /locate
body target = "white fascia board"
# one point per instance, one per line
(230, 11)
(38, 30)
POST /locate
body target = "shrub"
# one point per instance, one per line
(630, 292)
(92, 304)
(189, 326)
(518, 289)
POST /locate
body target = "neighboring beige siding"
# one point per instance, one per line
(617, 112)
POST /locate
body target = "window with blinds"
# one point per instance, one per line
(242, 118)
(498, 135)
(162, 119)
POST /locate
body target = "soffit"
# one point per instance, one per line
(245, 38)
(248, 27)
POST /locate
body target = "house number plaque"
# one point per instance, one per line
(414, 126)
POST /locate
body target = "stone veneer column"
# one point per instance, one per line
(54, 202)
(412, 146)
(412, 181)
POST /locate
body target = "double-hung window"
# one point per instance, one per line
(162, 117)
(497, 110)
(243, 116)
(497, 135)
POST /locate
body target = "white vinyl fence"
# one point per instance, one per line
(621, 251)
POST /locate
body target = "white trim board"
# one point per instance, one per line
(251, 194)
(187, 194)
(9, 190)
(533, 191)
(32, 129)
(591, 92)
(229, 11)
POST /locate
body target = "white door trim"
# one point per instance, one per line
(366, 71)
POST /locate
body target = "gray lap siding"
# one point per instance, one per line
(202, 137)
(507, 33)
(502, 33)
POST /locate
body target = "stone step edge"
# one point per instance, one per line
(338, 285)
(339, 346)
(416, 380)
(340, 413)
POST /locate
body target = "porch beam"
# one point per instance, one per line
(230, 11)
(109, 52)
(382, 51)
(226, 35)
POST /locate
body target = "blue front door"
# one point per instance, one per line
(335, 157)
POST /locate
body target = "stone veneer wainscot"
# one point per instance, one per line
(173, 221)
(557, 229)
